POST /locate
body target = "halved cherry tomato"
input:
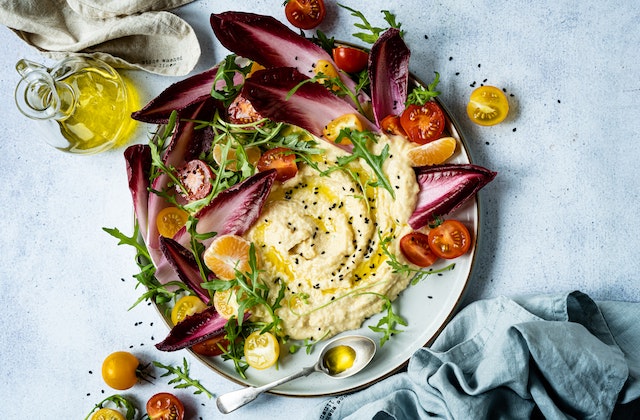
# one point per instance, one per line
(195, 176)
(305, 14)
(349, 59)
(186, 306)
(107, 414)
(170, 220)
(241, 111)
(165, 406)
(281, 159)
(226, 303)
(450, 239)
(415, 248)
(423, 123)
(391, 125)
(211, 347)
(332, 130)
(119, 370)
(487, 105)
(261, 351)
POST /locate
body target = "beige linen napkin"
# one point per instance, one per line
(125, 33)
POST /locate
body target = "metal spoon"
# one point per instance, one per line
(336, 360)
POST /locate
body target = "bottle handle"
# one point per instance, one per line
(24, 67)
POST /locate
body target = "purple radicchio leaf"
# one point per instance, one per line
(181, 97)
(444, 188)
(184, 263)
(194, 329)
(269, 42)
(185, 144)
(138, 161)
(234, 210)
(311, 107)
(389, 74)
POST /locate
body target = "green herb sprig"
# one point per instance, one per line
(119, 402)
(361, 141)
(398, 267)
(372, 33)
(387, 325)
(182, 379)
(421, 95)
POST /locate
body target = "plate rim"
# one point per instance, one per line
(454, 129)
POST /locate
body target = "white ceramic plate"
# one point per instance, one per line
(427, 306)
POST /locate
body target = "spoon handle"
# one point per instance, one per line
(233, 400)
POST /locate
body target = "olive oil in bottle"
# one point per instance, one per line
(85, 104)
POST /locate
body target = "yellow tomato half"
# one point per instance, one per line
(261, 351)
(170, 220)
(186, 306)
(487, 105)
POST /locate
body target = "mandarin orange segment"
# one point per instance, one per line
(433, 153)
(226, 254)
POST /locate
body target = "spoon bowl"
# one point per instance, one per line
(355, 352)
(340, 358)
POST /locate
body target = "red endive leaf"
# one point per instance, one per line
(184, 263)
(269, 42)
(389, 74)
(138, 161)
(194, 329)
(444, 188)
(178, 97)
(186, 143)
(234, 210)
(311, 107)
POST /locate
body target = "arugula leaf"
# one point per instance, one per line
(361, 141)
(235, 348)
(182, 379)
(398, 267)
(120, 402)
(421, 95)
(387, 324)
(372, 32)
(324, 41)
(226, 72)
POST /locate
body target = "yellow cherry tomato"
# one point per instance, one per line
(107, 414)
(170, 220)
(186, 306)
(332, 130)
(226, 303)
(261, 351)
(487, 105)
(119, 370)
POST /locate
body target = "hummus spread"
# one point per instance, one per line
(320, 235)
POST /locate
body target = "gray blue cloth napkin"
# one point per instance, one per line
(554, 357)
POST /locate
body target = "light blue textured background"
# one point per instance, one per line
(561, 215)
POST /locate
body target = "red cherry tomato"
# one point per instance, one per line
(391, 125)
(210, 347)
(165, 406)
(241, 111)
(282, 160)
(423, 123)
(450, 239)
(415, 248)
(305, 14)
(195, 176)
(349, 59)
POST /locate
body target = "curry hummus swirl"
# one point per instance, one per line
(320, 236)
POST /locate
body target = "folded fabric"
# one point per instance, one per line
(553, 357)
(124, 33)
